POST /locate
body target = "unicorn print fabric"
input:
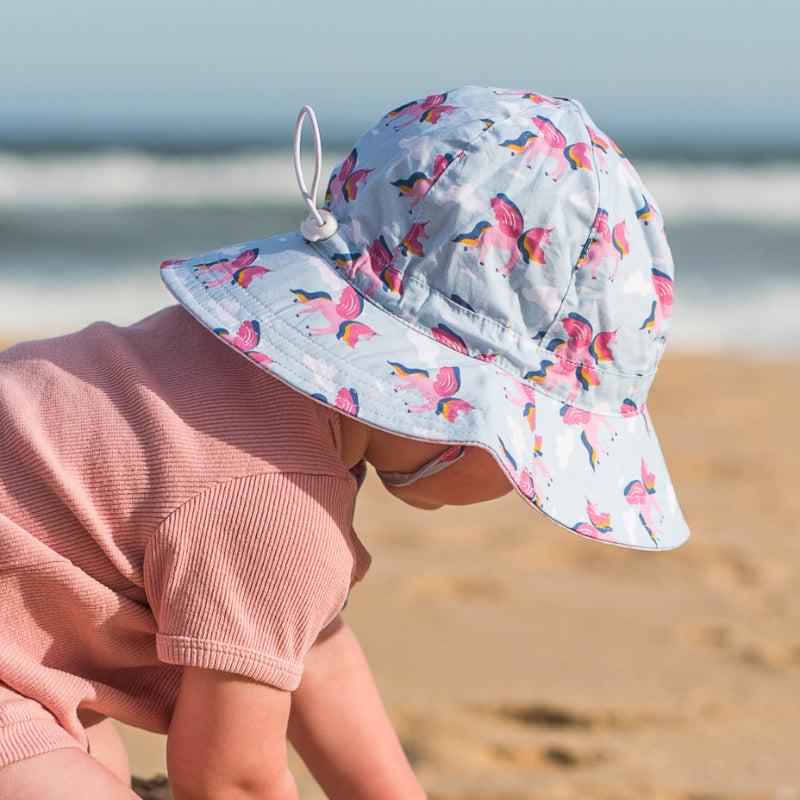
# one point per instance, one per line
(500, 277)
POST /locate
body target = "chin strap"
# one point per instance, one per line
(450, 456)
(320, 224)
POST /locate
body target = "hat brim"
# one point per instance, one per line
(283, 305)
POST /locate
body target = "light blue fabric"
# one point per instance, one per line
(500, 277)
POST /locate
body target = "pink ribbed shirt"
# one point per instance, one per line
(163, 502)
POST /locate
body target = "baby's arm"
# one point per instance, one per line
(227, 739)
(339, 726)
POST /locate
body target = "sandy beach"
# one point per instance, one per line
(519, 661)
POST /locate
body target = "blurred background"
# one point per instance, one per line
(135, 132)
(131, 133)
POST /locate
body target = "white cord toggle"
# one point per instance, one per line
(320, 224)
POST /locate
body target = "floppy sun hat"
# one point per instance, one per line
(488, 269)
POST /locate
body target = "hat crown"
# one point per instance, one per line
(506, 225)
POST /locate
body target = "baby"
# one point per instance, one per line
(480, 306)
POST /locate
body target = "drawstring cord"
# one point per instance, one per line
(320, 224)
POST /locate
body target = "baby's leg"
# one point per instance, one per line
(69, 772)
(106, 746)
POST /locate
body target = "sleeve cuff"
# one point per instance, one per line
(222, 657)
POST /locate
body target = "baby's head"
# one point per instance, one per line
(493, 274)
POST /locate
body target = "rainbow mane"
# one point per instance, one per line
(392, 279)
(345, 259)
(619, 239)
(587, 377)
(406, 371)
(349, 330)
(451, 407)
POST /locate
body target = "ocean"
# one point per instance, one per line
(83, 231)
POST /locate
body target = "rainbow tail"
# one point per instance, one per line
(406, 371)
(578, 156)
(519, 144)
(474, 236)
(540, 374)
(306, 297)
(587, 376)
(650, 322)
(590, 450)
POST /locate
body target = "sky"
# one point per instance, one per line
(723, 73)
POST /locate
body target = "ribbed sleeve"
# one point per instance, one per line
(163, 502)
(244, 576)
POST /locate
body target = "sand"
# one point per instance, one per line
(520, 661)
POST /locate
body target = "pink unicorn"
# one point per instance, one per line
(340, 315)
(649, 213)
(642, 494)
(600, 148)
(532, 96)
(537, 466)
(575, 359)
(419, 184)
(247, 339)
(238, 270)
(353, 332)
(551, 143)
(507, 235)
(599, 525)
(526, 399)
(376, 264)
(411, 243)
(448, 337)
(429, 110)
(439, 391)
(607, 243)
(261, 358)
(525, 478)
(590, 430)
(662, 305)
(532, 243)
(344, 184)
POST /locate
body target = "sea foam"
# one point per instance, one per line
(686, 191)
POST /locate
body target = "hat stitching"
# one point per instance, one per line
(543, 353)
(342, 366)
(356, 375)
